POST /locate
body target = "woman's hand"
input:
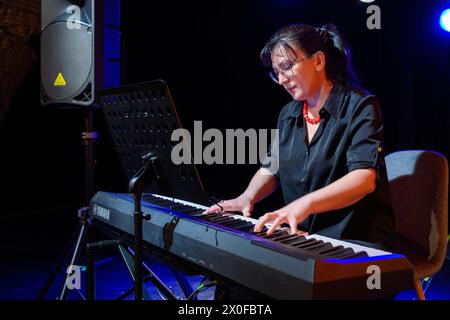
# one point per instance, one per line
(240, 204)
(293, 214)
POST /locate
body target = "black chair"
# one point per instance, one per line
(418, 182)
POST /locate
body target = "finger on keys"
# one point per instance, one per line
(275, 224)
(262, 221)
(246, 213)
(293, 225)
(213, 209)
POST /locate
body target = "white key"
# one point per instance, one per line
(187, 203)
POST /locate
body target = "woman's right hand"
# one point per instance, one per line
(240, 204)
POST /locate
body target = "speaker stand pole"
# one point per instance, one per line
(89, 137)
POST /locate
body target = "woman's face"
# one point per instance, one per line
(301, 75)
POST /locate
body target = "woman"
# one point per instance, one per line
(330, 158)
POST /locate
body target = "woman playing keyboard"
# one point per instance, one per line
(329, 163)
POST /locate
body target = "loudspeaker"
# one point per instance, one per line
(74, 35)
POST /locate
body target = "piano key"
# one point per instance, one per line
(210, 216)
(275, 234)
(356, 247)
(222, 219)
(187, 203)
(324, 246)
(340, 254)
(243, 222)
(359, 254)
(310, 246)
(296, 240)
(305, 242)
(246, 227)
(331, 250)
(285, 237)
(216, 217)
(264, 233)
(231, 224)
(178, 206)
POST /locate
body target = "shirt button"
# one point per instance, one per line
(302, 180)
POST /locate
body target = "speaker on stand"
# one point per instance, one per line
(80, 42)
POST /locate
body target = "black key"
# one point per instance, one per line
(246, 228)
(210, 216)
(222, 220)
(264, 233)
(314, 242)
(294, 242)
(240, 222)
(285, 237)
(306, 242)
(356, 255)
(319, 244)
(198, 213)
(275, 234)
(325, 246)
(231, 224)
(343, 253)
(331, 250)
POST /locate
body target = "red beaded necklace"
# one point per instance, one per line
(315, 120)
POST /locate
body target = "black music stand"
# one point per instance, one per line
(141, 119)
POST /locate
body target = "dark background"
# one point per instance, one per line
(208, 53)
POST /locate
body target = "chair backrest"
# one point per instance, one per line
(418, 182)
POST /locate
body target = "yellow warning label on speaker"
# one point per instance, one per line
(60, 81)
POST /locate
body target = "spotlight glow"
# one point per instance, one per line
(445, 20)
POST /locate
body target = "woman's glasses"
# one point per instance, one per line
(285, 69)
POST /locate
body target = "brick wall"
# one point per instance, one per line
(19, 41)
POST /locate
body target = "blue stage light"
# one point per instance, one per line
(445, 20)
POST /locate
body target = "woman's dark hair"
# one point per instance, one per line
(326, 39)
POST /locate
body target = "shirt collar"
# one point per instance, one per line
(335, 99)
(331, 106)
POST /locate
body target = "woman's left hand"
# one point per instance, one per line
(293, 214)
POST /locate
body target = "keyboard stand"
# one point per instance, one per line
(128, 257)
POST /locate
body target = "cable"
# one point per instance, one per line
(201, 287)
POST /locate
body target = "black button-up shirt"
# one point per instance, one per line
(349, 137)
